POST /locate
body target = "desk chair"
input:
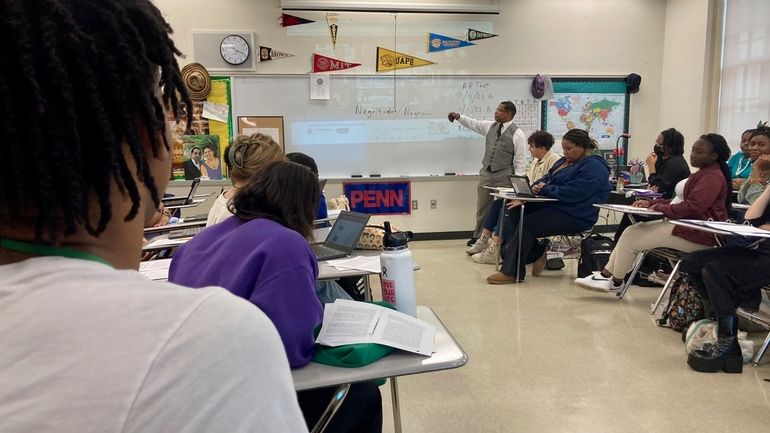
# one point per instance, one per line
(331, 409)
(673, 256)
(762, 318)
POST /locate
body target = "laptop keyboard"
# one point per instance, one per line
(186, 233)
(322, 252)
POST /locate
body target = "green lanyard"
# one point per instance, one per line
(49, 250)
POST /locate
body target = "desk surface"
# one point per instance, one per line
(700, 227)
(172, 227)
(629, 209)
(524, 199)
(448, 355)
(327, 272)
(196, 202)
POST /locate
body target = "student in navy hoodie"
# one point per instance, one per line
(577, 181)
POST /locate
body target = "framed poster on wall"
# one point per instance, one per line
(271, 126)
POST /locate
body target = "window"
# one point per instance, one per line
(744, 96)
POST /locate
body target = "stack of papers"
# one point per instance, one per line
(351, 322)
(359, 263)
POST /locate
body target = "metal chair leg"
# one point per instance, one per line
(637, 264)
(761, 352)
(331, 409)
(666, 287)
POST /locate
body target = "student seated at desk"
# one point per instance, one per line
(262, 254)
(309, 162)
(247, 155)
(728, 278)
(666, 168)
(740, 163)
(756, 182)
(577, 181)
(88, 343)
(706, 196)
(484, 250)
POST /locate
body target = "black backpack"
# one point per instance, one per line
(595, 252)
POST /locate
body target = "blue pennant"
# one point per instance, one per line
(438, 42)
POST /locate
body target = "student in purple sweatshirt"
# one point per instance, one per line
(263, 255)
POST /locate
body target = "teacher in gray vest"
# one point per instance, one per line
(504, 154)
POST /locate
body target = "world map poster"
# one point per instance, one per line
(603, 115)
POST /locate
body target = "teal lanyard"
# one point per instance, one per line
(49, 250)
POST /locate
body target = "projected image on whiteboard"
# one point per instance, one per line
(381, 125)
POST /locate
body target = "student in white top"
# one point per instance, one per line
(247, 155)
(89, 344)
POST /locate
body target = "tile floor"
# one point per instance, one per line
(547, 356)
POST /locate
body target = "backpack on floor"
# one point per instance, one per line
(684, 305)
(595, 252)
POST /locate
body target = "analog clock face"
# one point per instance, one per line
(234, 49)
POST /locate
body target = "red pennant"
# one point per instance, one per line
(287, 20)
(327, 64)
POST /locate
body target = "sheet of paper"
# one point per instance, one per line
(214, 111)
(350, 322)
(363, 263)
(319, 86)
(155, 269)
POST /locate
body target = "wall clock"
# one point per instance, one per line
(234, 49)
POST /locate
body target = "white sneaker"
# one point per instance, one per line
(480, 245)
(489, 256)
(598, 283)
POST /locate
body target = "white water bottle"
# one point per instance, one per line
(398, 271)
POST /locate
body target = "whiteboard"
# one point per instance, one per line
(386, 124)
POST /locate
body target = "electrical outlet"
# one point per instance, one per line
(414, 204)
(433, 204)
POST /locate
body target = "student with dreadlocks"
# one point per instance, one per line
(89, 344)
(706, 196)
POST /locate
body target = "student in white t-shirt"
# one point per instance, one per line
(89, 344)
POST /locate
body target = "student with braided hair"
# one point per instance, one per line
(88, 343)
(706, 196)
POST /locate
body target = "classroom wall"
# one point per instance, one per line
(686, 69)
(654, 38)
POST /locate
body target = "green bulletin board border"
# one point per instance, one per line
(228, 83)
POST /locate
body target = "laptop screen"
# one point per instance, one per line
(520, 185)
(347, 230)
(193, 188)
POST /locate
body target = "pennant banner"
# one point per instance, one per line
(475, 35)
(287, 20)
(267, 53)
(440, 43)
(327, 64)
(388, 60)
(331, 21)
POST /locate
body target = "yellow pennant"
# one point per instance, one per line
(388, 60)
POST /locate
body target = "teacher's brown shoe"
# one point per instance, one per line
(500, 278)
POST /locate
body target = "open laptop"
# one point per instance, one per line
(181, 201)
(521, 186)
(343, 237)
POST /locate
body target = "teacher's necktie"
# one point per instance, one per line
(499, 129)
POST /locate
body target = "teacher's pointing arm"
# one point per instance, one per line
(478, 126)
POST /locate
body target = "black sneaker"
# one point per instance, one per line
(472, 241)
